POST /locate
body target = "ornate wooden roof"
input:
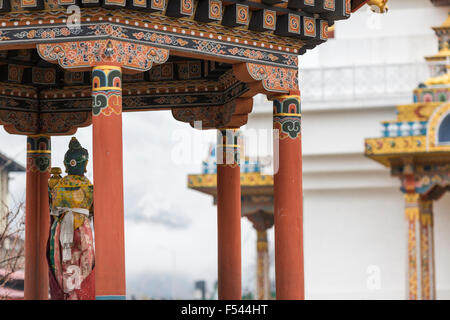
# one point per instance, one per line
(203, 59)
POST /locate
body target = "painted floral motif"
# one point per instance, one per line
(242, 14)
(294, 23)
(328, 4)
(215, 9)
(108, 29)
(274, 78)
(89, 53)
(173, 39)
(187, 7)
(47, 33)
(209, 47)
(3, 36)
(270, 18)
(309, 26)
(176, 100)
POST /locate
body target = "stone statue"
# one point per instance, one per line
(70, 249)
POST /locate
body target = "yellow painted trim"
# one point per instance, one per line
(103, 67)
(286, 96)
(39, 151)
(209, 180)
(229, 145)
(38, 135)
(288, 114)
(402, 145)
(420, 111)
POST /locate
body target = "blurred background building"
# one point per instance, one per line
(354, 225)
(11, 242)
(7, 165)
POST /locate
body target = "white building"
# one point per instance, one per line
(7, 165)
(354, 227)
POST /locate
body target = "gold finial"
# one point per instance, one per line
(443, 79)
(442, 55)
(378, 6)
(55, 170)
(56, 176)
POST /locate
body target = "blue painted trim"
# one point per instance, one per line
(110, 298)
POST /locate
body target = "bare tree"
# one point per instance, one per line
(12, 227)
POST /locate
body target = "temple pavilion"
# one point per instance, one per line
(256, 206)
(202, 59)
(416, 147)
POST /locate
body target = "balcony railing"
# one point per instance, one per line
(361, 82)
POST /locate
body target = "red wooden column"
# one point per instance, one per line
(229, 215)
(108, 182)
(37, 217)
(288, 198)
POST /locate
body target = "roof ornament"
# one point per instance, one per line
(441, 60)
(378, 6)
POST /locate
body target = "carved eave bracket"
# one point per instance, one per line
(32, 122)
(266, 79)
(83, 55)
(232, 114)
(430, 181)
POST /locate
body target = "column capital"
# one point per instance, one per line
(106, 90)
(287, 116)
(38, 153)
(228, 147)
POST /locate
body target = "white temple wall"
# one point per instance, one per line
(354, 227)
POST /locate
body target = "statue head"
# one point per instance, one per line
(76, 158)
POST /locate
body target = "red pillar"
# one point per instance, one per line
(288, 198)
(37, 217)
(108, 183)
(228, 215)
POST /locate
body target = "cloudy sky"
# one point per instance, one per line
(170, 231)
